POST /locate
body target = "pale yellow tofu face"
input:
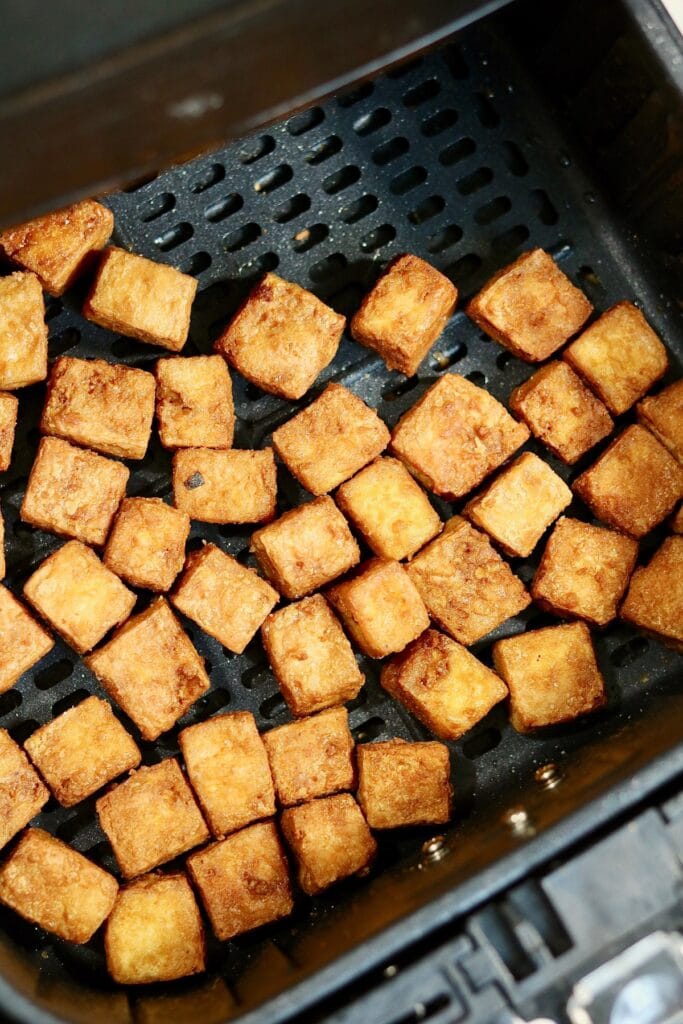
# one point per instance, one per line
(312, 757)
(663, 415)
(146, 545)
(9, 407)
(231, 486)
(655, 597)
(282, 337)
(455, 435)
(22, 641)
(194, 402)
(23, 332)
(403, 784)
(22, 794)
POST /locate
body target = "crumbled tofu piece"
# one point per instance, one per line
(23, 332)
(22, 794)
(9, 407)
(403, 783)
(225, 486)
(654, 602)
(194, 402)
(22, 641)
(312, 757)
(663, 415)
(146, 545)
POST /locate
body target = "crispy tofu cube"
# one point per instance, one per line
(552, 675)
(228, 600)
(9, 408)
(82, 750)
(73, 493)
(330, 440)
(521, 503)
(78, 596)
(663, 415)
(389, 509)
(584, 571)
(151, 669)
(381, 607)
(49, 884)
(312, 757)
(530, 307)
(194, 402)
(228, 768)
(330, 840)
(403, 783)
(228, 486)
(635, 483)
(306, 548)
(150, 818)
(22, 794)
(467, 587)
(59, 246)
(654, 601)
(619, 356)
(23, 332)
(243, 880)
(22, 641)
(146, 545)
(155, 932)
(405, 313)
(561, 412)
(148, 301)
(282, 337)
(442, 684)
(455, 435)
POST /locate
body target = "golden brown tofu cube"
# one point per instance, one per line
(148, 301)
(405, 313)
(151, 669)
(229, 486)
(59, 246)
(381, 607)
(442, 684)
(82, 750)
(455, 435)
(155, 932)
(312, 757)
(51, 885)
(72, 492)
(330, 840)
(282, 337)
(243, 880)
(561, 412)
(403, 783)
(228, 768)
(306, 548)
(330, 440)
(634, 484)
(521, 503)
(467, 587)
(22, 641)
(9, 407)
(663, 415)
(150, 818)
(78, 596)
(146, 545)
(584, 571)
(389, 509)
(530, 307)
(552, 675)
(194, 402)
(22, 794)
(654, 601)
(23, 332)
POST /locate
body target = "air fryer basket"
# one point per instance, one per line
(454, 157)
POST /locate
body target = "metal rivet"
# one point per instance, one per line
(549, 776)
(434, 848)
(390, 971)
(518, 821)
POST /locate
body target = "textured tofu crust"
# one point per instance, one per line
(455, 435)
(619, 356)
(151, 818)
(228, 600)
(381, 607)
(155, 932)
(403, 783)
(134, 296)
(73, 493)
(306, 548)
(22, 794)
(466, 585)
(561, 412)
(330, 839)
(663, 415)
(405, 313)
(282, 337)
(635, 483)
(231, 486)
(59, 246)
(22, 641)
(552, 675)
(654, 602)
(442, 684)
(23, 331)
(51, 885)
(584, 571)
(194, 402)
(330, 440)
(146, 545)
(243, 881)
(82, 750)
(151, 669)
(9, 407)
(228, 767)
(312, 757)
